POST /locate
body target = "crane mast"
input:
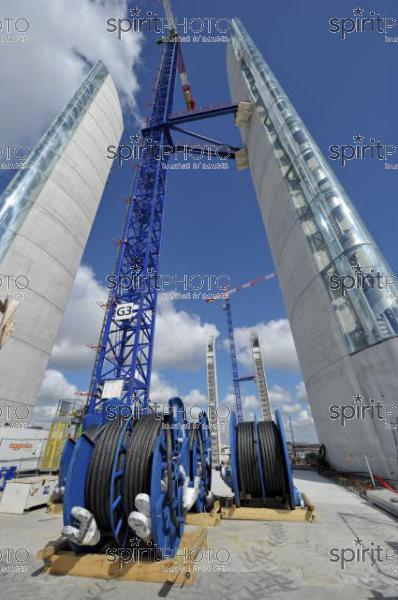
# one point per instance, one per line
(123, 363)
(234, 361)
(186, 88)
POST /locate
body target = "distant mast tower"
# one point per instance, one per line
(213, 401)
(260, 377)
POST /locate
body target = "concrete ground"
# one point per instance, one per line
(350, 553)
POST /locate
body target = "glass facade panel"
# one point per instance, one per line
(362, 290)
(23, 189)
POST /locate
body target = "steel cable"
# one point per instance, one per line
(98, 480)
(137, 478)
(248, 467)
(272, 460)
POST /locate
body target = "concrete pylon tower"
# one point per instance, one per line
(260, 377)
(213, 401)
(346, 339)
(46, 214)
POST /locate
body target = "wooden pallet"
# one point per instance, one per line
(55, 508)
(180, 569)
(247, 513)
(211, 519)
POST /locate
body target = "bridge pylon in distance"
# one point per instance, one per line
(213, 401)
(260, 377)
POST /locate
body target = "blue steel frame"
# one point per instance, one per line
(286, 460)
(233, 458)
(235, 373)
(126, 347)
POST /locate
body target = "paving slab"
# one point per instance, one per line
(350, 553)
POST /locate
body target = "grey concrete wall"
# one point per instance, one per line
(49, 245)
(332, 376)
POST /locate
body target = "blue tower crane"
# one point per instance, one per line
(234, 361)
(124, 353)
(126, 343)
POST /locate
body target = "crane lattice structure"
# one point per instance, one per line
(122, 369)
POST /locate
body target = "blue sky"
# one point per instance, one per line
(212, 221)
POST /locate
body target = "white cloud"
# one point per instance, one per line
(81, 324)
(195, 402)
(229, 400)
(290, 409)
(195, 398)
(304, 428)
(281, 398)
(301, 392)
(55, 387)
(42, 73)
(299, 411)
(161, 389)
(250, 403)
(278, 396)
(276, 341)
(180, 338)
(304, 415)
(297, 408)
